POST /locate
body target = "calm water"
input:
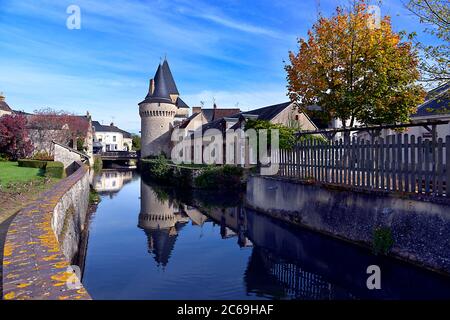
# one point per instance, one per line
(150, 242)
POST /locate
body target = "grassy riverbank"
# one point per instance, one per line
(19, 186)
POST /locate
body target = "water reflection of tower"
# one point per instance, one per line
(161, 220)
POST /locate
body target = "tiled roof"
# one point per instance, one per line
(186, 122)
(180, 103)
(437, 101)
(101, 128)
(269, 112)
(217, 113)
(4, 106)
(265, 113)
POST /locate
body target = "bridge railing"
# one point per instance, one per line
(118, 154)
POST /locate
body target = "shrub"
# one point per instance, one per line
(159, 168)
(94, 197)
(4, 157)
(30, 163)
(98, 163)
(382, 240)
(42, 155)
(223, 177)
(55, 169)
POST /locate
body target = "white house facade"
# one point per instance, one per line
(111, 138)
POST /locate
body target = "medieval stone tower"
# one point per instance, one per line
(161, 110)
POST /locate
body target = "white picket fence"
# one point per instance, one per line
(398, 163)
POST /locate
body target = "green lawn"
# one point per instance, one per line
(11, 172)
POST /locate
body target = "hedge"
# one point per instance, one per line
(54, 169)
(30, 163)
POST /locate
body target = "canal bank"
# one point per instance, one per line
(419, 229)
(43, 239)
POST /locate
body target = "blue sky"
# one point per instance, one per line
(230, 51)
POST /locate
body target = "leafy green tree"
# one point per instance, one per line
(136, 140)
(435, 14)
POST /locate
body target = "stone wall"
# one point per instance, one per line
(43, 239)
(420, 229)
(156, 128)
(66, 155)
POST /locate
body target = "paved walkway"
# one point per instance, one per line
(3, 230)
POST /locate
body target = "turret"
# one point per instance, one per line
(157, 113)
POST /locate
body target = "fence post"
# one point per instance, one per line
(427, 166)
(412, 168)
(447, 166)
(419, 164)
(406, 162)
(439, 167)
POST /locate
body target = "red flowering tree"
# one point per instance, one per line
(47, 125)
(14, 140)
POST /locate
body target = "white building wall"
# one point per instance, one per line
(115, 140)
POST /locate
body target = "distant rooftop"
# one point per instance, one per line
(436, 102)
(3, 105)
(111, 128)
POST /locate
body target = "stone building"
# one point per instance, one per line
(160, 111)
(163, 110)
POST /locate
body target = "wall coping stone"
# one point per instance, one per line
(34, 267)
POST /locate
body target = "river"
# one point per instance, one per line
(146, 241)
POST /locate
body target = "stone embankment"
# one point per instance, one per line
(43, 239)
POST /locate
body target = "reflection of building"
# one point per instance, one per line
(112, 181)
(232, 223)
(161, 220)
(195, 215)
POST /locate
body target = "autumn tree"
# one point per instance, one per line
(355, 69)
(14, 140)
(435, 15)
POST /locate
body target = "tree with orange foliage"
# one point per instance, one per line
(355, 69)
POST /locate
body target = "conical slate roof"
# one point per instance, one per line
(161, 93)
(170, 82)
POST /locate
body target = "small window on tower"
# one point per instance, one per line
(296, 117)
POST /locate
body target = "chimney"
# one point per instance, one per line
(215, 105)
(196, 109)
(151, 89)
(112, 124)
(2, 96)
